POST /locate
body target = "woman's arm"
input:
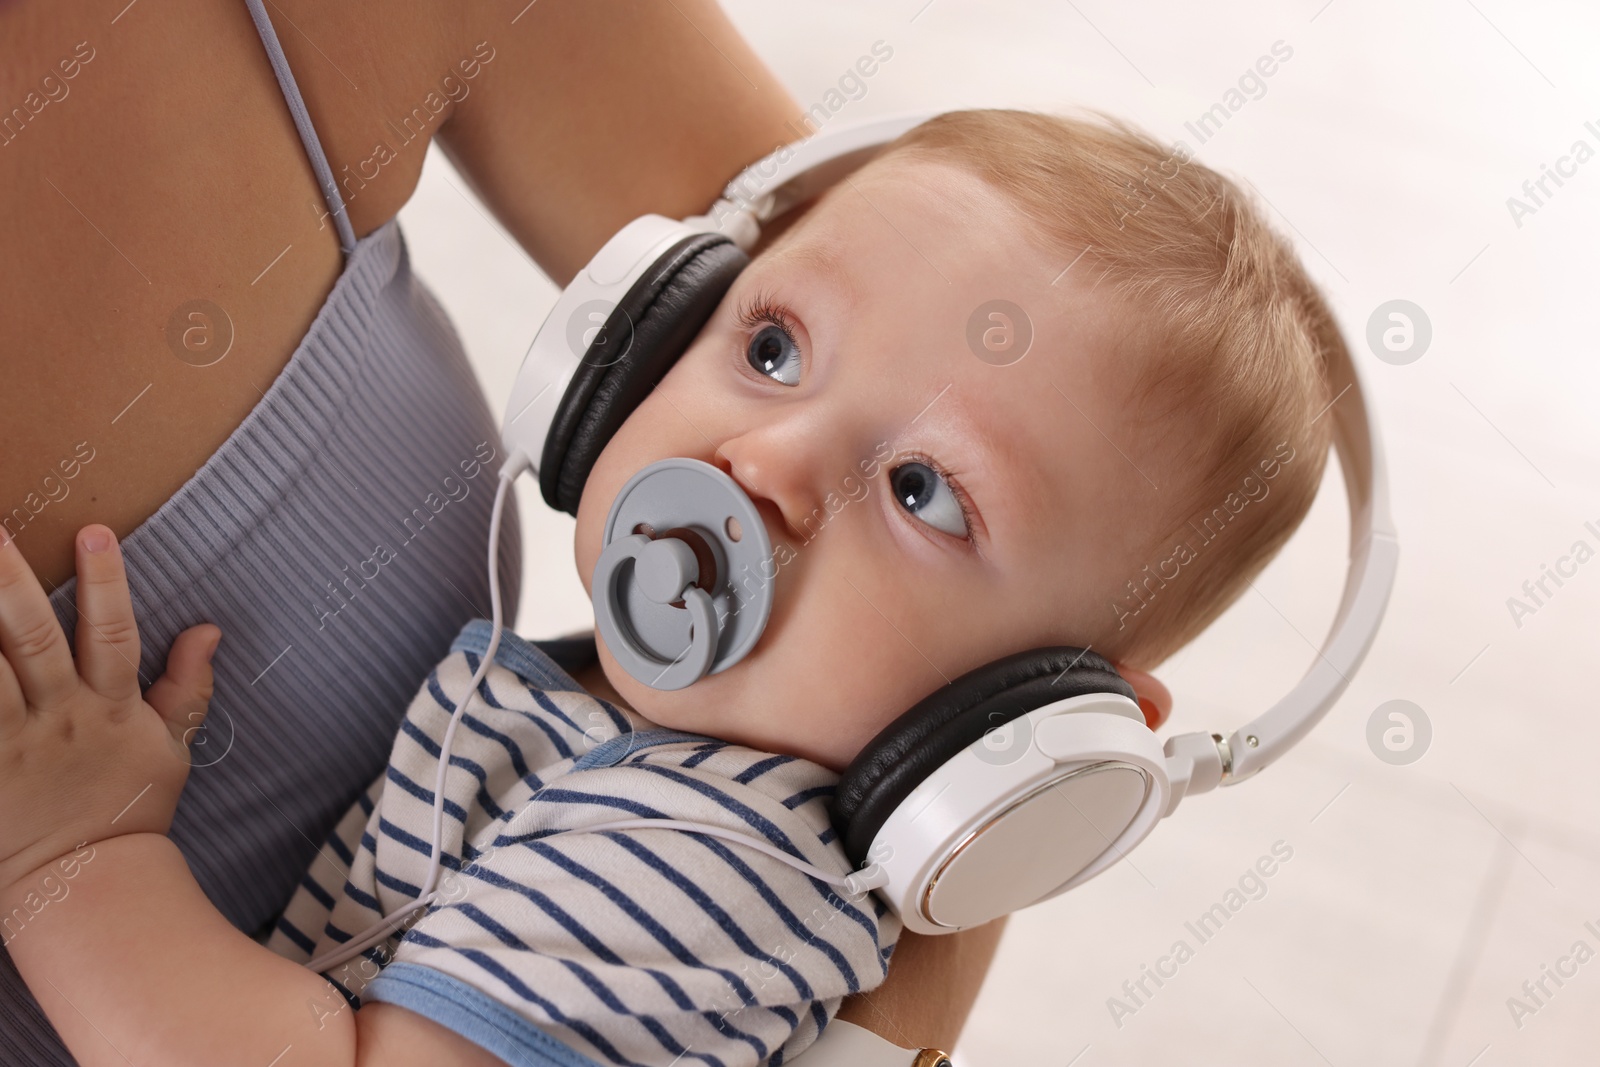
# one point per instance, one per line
(133, 964)
(594, 112)
(932, 985)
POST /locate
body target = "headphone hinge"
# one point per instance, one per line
(1225, 753)
(1196, 763)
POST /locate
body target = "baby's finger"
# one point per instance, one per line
(108, 636)
(183, 693)
(30, 636)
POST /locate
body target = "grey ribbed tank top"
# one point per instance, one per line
(338, 539)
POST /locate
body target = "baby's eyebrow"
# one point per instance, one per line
(820, 257)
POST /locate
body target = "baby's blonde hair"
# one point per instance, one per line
(1237, 342)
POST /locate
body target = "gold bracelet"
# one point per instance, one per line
(932, 1057)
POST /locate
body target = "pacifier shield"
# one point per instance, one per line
(676, 597)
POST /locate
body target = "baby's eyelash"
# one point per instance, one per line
(952, 479)
(763, 310)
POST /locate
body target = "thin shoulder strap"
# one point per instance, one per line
(302, 122)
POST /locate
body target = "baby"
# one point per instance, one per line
(1021, 381)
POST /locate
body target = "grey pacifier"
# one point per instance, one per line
(683, 587)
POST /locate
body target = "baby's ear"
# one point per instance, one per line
(1155, 699)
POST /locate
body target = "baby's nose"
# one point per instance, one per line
(774, 486)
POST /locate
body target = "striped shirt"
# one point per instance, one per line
(647, 946)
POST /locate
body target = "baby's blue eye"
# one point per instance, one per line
(923, 493)
(773, 352)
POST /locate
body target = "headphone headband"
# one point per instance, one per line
(797, 172)
(1374, 558)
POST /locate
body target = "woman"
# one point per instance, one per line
(234, 368)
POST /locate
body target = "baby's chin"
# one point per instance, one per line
(693, 709)
(656, 705)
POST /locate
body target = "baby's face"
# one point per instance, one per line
(930, 511)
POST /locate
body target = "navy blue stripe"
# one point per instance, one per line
(712, 910)
(558, 795)
(416, 844)
(451, 808)
(542, 698)
(760, 767)
(494, 967)
(604, 952)
(472, 767)
(321, 895)
(341, 849)
(601, 950)
(619, 720)
(643, 919)
(755, 881)
(808, 794)
(292, 932)
(781, 910)
(557, 739)
(603, 993)
(818, 1015)
(362, 897)
(569, 922)
(703, 753)
(389, 881)
(767, 828)
(513, 751)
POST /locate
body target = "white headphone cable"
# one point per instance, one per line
(385, 926)
(855, 883)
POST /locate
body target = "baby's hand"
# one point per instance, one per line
(82, 756)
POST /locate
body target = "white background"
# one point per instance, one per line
(1419, 898)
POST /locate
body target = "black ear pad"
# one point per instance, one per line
(644, 336)
(946, 721)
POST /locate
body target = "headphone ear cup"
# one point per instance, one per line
(643, 337)
(950, 719)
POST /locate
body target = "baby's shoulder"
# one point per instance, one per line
(582, 761)
(659, 775)
(526, 710)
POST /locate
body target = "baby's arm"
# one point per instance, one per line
(98, 909)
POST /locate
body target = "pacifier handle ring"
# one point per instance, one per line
(628, 650)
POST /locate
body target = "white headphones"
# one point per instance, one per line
(1019, 780)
